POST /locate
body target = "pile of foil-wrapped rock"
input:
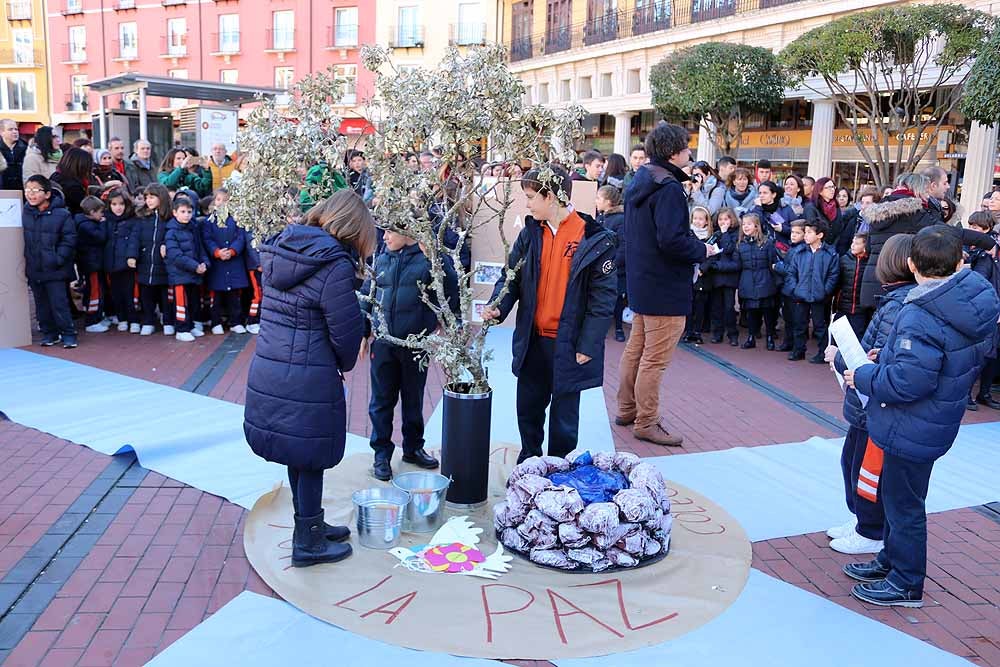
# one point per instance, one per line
(552, 525)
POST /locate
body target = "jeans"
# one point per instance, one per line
(903, 489)
(396, 375)
(307, 491)
(871, 516)
(804, 311)
(534, 394)
(52, 308)
(650, 347)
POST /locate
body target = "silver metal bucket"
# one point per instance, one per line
(425, 511)
(380, 516)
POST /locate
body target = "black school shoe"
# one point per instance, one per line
(884, 594)
(817, 358)
(866, 572)
(971, 404)
(987, 400)
(421, 459)
(620, 335)
(381, 469)
(69, 342)
(49, 341)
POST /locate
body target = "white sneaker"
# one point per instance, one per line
(111, 320)
(100, 327)
(197, 333)
(134, 328)
(856, 544)
(238, 329)
(168, 330)
(199, 326)
(185, 337)
(842, 530)
(217, 330)
(147, 330)
(253, 328)
(123, 326)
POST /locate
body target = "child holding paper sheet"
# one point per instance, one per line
(863, 533)
(918, 392)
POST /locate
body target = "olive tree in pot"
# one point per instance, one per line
(456, 107)
(468, 99)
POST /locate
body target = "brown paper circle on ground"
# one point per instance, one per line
(528, 613)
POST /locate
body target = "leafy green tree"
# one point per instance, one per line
(895, 74)
(720, 83)
(981, 100)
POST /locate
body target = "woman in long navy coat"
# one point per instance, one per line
(310, 333)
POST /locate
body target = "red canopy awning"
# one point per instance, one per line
(28, 127)
(75, 126)
(356, 126)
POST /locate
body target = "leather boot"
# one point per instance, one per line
(749, 344)
(770, 343)
(987, 400)
(421, 459)
(310, 545)
(381, 469)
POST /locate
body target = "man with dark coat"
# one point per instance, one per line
(139, 169)
(12, 149)
(661, 251)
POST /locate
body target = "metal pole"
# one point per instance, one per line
(142, 115)
(103, 122)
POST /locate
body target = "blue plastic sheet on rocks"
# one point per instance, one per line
(595, 485)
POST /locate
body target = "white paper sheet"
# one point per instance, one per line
(850, 348)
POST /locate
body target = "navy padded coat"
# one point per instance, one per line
(931, 358)
(756, 278)
(116, 249)
(310, 333)
(144, 245)
(723, 269)
(91, 236)
(49, 241)
(890, 303)
(810, 276)
(230, 274)
(184, 253)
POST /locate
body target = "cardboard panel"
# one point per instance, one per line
(15, 315)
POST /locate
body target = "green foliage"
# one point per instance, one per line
(981, 100)
(724, 81)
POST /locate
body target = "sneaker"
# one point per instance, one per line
(253, 328)
(868, 572)
(100, 327)
(147, 330)
(199, 326)
(123, 326)
(69, 342)
(856, 543)
(218, 330)
(843, 530)
(885, 594)
(168, 330)
(185, 337)
(111, 320)
(134, 328)
(238, 329)
(197, 333)
(49, 341)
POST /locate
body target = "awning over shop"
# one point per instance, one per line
(356, 126)
(28, 127)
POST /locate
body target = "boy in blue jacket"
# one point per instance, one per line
(396, 374)
(812, 278)
(186, 262)
(91, 235)
(917, 393)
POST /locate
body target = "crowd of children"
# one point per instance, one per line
(178, 263)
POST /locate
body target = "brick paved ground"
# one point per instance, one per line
(172, 555)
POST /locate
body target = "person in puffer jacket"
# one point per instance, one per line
(311, 332)
(813, 276)
(984, 262)
(917, 394)
(225, 243)
(186, 262)
(852, 269)
(120, 268)
(863, 533)
(724, 272)
(49, 246)
(147, 249)
(91, 236)
(796, 238)
(611, 214)
(757, 256)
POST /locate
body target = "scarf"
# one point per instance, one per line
(103, 172)
(55, 156)
(830, 208)
(771, 208)
(700, 232)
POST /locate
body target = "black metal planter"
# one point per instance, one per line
(465, 447)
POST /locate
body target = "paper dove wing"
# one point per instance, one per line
(457, 529)
(496, 564)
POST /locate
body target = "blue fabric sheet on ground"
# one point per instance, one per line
(595, 485)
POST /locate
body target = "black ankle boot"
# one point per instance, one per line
(382, 470)
(421, 459)
(310, 545)
(770, 343)
(987, 400)
(750, 343)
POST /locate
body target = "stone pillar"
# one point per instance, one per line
(978, 175)
(706, 147)
(821, 144)
(623, 132)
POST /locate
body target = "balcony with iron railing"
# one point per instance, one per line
(342, 36)
(654, 16)
(13, 58)
(174, 46)
(125, 51)
(76, 103)
(280, 41)
(18, 10)
(74, 54)
(467, 34)
(406, 37)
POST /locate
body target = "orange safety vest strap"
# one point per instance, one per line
(181, 300)
(871, 471)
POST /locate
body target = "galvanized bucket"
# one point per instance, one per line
(380, 516)
(425, 511)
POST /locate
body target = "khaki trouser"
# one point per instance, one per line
(650, 347)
